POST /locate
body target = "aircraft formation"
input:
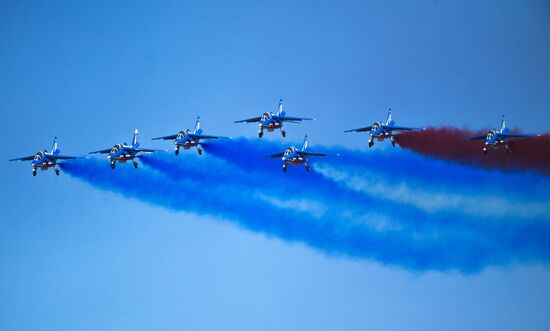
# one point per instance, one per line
(269, 121)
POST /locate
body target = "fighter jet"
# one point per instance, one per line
(497, 138)
(45, 159)
(124, 152)
(382, 130)
(271, 121)
(294, 156)
(188, 138)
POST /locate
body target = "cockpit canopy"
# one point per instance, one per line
(491, 134)
(265, 116)
(375, 126)
(289, 151)
(181, 134)
(116, 148)
(38, 156)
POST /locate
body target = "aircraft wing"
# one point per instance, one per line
(311, 154)
(367, 128)
(293, 119)
(276, 155)
(202, 136)
(65, 157)
(250, 120)
(25, 158)
(399, 128)
(520, 135)
(172, 137)
(146, 150)
(477, 137)
(103, 151)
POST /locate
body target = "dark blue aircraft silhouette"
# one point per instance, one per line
(271, 121)
(294, 156)
(497, 138)
(44, 159)
(188, 138)
(124, 152)
(383, 130)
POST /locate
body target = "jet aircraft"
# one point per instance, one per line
(188, 138)
(271, 121)
(124, 152)
(496, 138)
(382, 130)
(45, 159)
(294, 156)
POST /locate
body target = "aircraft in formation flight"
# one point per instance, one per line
(497, 138)
(382, 130)
(124, 152)
(188, 138)
(271, 121)
(45, 159)
(294, 156)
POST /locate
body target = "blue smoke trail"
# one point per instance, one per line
(404, 177)
(322, 211)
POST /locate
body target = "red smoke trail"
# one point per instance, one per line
(531, 153)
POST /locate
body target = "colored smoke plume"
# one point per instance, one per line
(530, 153)
(369, 205)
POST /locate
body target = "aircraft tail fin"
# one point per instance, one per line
(503, 128)
(389, 121)
(135, 139)
(280, 111)
(304, 147)
(55, 148)
(198, 129)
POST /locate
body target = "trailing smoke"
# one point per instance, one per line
(529, 153)
(352, 205)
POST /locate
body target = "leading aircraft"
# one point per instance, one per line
(497, 138)
(45, 159)
(188, 138)
(295, 156)
(271, 121)
(124, 152)
(382, 130)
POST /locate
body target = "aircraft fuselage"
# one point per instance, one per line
(495, 141)
(43, 162)
(270, 124)
(378, 132)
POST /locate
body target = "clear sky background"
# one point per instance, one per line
(75, 258)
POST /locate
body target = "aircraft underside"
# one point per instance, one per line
(381, 137)
(188, 145)
(270, 128)
(496, 145)
(123, 159)
(45, 166)
(294, 162)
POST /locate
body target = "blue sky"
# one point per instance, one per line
(73, 257)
